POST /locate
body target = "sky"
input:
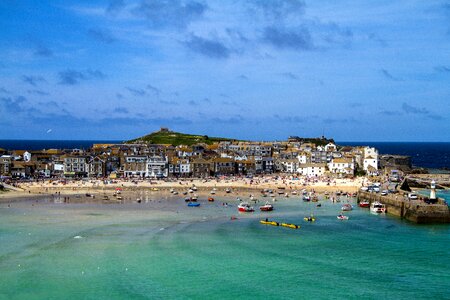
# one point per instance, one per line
(248, 69)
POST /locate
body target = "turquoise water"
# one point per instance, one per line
(165, 250)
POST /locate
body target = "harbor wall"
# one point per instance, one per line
(416, 211)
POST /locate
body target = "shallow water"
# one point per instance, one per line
(164, 249)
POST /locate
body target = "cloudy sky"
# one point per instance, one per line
(251, 69)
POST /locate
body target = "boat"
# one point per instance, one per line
(211, 199)
(119, 198)
(294, 192)
(175, 193)
(347, 207)
(187, 199)
(364, 203)
(245, 207)
(289, 225)
(194, 197)
(193, 204)
(266, 207)
(194, 188)
(342, 217)
(309, 219)
(378, 207)
(319, 205)
(306, 198)
(172, 190)
(212, 192)
(267, 222)
(315, 199)
(227, 190)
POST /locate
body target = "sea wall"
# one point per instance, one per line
(412, 210)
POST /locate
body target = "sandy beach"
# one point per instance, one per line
(236, 185)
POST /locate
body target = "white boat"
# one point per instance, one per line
(342, 217)
(346, 207)
(378, 207)
(245, 207)
(212, 192)
(266, 207)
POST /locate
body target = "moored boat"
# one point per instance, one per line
(267, 222)
(306, 198)
(378, 207)
(364, 203)
(193, 204)
(245, 207)
(289, 225)
(347, 207)
(342, 217)
(211, 199)
(309, 219)
(266, 207)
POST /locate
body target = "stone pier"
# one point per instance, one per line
(412, 210)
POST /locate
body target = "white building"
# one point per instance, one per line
(26, 156)
(342, 166)
(330, 147)
(303, 158)
(311, 169)
(370, 161)
(157, 167)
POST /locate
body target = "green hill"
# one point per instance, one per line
(165, 136)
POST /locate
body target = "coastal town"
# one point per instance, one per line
(295, 156)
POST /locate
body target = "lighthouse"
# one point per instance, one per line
(433, 191)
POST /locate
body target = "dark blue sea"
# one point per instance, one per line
(424, 155)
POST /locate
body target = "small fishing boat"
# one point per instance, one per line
(267, 222)
(319, 205)
(245, 207)
(193, 204)
(266, 207)
(309, 219)
(212, 192)
(227, 190)
(342, 217)
(347, 207)
(294, 192)
(378, 207)
(289, 225)
(306, 198)
(364, 203)
(187, 199)
(211, 199)
(194, 197)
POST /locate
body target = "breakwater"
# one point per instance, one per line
(416, 211)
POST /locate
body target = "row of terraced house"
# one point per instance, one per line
(200, 160)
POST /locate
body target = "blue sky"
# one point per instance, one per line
(260, 69)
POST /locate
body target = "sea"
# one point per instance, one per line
(423, 155)
(162, 249)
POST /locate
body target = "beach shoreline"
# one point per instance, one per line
(236, 186)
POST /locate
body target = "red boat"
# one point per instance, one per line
(364, 203)
(211, 199)
(245, 207)
(266, 207)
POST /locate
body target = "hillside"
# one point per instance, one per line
(165, 136)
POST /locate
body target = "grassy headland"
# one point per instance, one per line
(176, 138)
